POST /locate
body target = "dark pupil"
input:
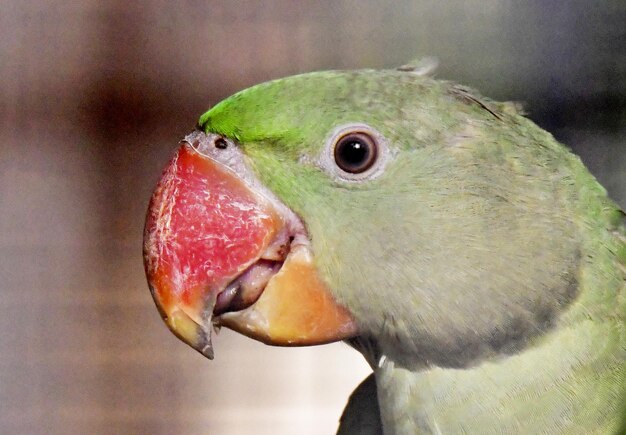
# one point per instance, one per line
(353, 155)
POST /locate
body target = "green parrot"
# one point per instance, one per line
(473, 260)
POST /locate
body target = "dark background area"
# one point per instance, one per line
(93, 99)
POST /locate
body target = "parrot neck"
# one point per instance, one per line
(546, 388)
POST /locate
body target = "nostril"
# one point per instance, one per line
(220, 143)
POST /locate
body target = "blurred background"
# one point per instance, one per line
(93, 99)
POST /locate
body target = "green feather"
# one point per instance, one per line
(485, 262)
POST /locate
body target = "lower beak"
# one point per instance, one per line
(295, 309)
(218, 253)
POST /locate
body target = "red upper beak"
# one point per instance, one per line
(218, 251)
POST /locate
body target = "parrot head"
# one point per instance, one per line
(376, 204)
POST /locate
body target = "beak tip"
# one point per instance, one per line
(207, 350)
(190, 331)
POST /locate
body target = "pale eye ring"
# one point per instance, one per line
(355, 152)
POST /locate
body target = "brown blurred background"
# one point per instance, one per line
(93, 98)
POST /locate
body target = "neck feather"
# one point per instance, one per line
(570, 381)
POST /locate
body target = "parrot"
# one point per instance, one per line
(471, 258)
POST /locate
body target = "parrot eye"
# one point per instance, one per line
(355, 152)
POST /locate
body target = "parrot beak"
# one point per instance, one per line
(218, 252)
